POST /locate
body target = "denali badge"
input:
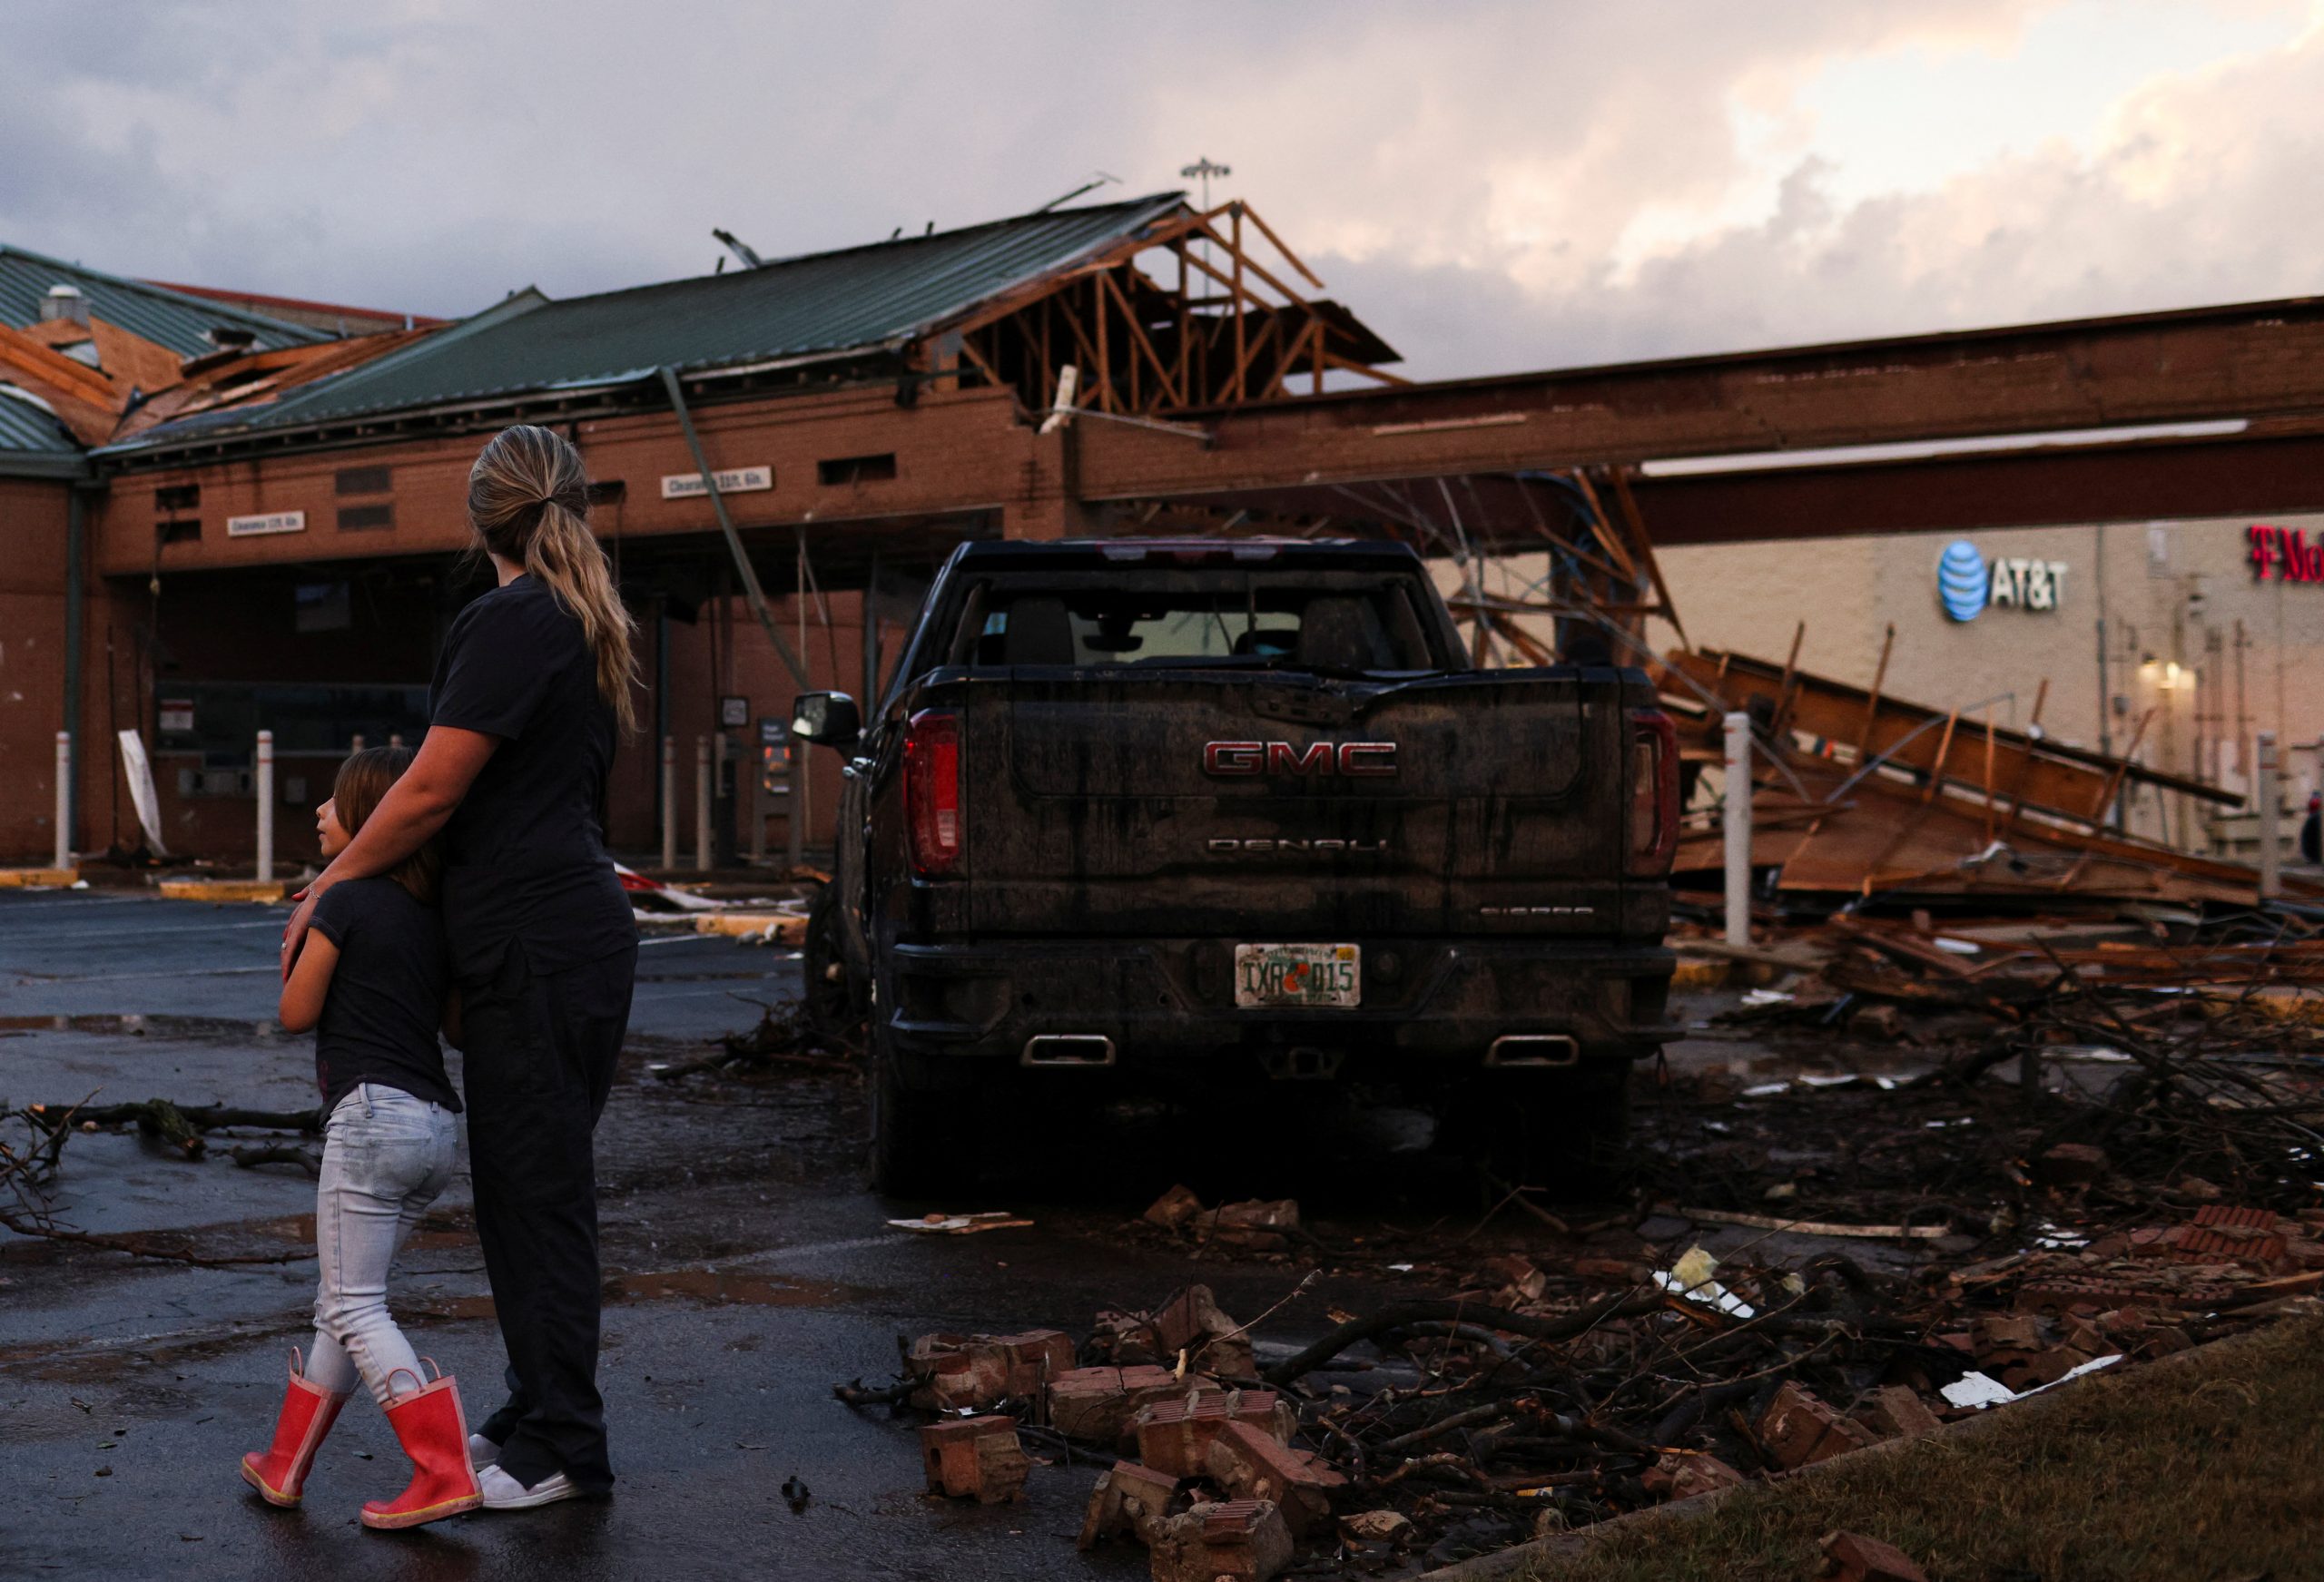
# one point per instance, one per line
(1227, 847)
(1353, 760)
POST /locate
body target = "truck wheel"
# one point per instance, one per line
(922, 1143)
(832, 1009)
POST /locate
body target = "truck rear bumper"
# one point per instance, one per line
(1448, 1004)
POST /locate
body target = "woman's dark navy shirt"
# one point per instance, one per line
(386, 998)
(525, 854)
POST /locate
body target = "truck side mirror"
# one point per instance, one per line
(827, 719)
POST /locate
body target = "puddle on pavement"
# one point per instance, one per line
(142, 1026)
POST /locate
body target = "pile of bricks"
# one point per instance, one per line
(1236, 1442)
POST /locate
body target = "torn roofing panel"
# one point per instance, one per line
(32, 441)
(819, 304)
(169, 319)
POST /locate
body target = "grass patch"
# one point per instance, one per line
(2212, 1467)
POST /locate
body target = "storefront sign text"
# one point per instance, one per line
(2285, 554)
(1966, 582)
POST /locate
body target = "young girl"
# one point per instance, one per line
(372, 982)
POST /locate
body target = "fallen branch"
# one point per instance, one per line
(1407, 1313)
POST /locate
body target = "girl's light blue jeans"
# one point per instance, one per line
(387, 1155)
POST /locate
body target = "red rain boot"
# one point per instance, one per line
(279, 1474)
(434, 1433)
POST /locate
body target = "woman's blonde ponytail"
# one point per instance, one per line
(528, 497)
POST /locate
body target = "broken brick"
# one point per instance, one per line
(1239, 1540)
(1391, 1528)
(1036, 1357)
(974, 1372)
(1174, 1209)
(975, 1457)
(1249, 1464)
(1173, 1436)
(1130, 1499)
(1853, 1557)
(958, 1372)
(2072, 1165)
(1798, 1429)
(1518, 1276)
(1098, 1403)
(1683, 1477)
(1191, 1322)
(1894, 1412)
(1259, 1223)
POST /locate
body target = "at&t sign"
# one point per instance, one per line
(1966, 582)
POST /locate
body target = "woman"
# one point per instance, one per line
(529, 694)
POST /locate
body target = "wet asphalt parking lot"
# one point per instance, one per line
(748, 1270)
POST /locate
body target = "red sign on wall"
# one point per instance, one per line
(2285, 554)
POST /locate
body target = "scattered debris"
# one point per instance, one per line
(966, 1224)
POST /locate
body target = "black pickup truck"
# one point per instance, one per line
(1165, 815)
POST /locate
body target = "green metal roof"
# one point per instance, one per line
(166, 318)
(815, 305)
(33, 443)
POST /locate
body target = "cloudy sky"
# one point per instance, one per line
(1494, 185)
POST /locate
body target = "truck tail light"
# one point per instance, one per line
(1654, 794)
(937, 828)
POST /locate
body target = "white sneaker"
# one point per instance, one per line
(482, 1453)
(503, 1492)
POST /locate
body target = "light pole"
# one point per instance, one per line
(1201, 169)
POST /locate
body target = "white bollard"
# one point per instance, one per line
(2267, 787)
(64, 798)
(702, 803)
(669, 803)
(265, 806)
(1738, 822)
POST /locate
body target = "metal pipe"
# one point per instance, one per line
(702, 803)
(756, 802)
(265, 806)
(1736, 819)
(64, 798)
(669, 803)
(2270, 794)
(750, 575)
(77, 533)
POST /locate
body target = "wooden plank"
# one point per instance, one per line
(1236, 251)
(1282, 246)
(1142, 341)
(1871, 703)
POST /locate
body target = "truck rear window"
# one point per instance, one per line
(1240, 619)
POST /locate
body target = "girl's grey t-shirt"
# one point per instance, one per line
(387, 992)
(524, 855)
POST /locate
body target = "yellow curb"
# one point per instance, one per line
(770, 928)
(39, 878)
(223, 890)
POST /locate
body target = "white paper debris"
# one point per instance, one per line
(1977, 1389)
(1690, 1277)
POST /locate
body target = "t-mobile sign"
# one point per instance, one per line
(2285, 555)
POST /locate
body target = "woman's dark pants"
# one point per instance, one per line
(541, 1051)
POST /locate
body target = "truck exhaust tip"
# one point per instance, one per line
(1534, 1050)
(1067, 1049)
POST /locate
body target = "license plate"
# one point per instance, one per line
(1308, 976)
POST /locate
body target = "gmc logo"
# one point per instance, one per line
(1352, 760)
